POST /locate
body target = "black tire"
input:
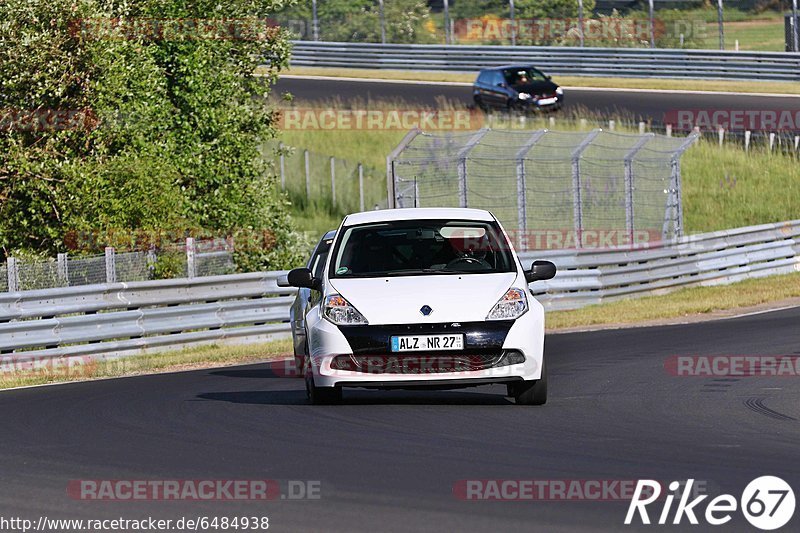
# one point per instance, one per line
(322, 395)
(532, 392)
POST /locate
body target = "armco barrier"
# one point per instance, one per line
(557, 60)
(124, 318)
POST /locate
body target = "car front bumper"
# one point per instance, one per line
(361, 356)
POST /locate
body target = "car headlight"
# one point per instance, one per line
(512, 305)
(559, 91)
(524, 96)
(340, 312)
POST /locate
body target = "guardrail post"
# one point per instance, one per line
(282, 159)
(63, 269)
(191, 254)
(361, 186)
(308, 174)
(333, 181)
(111, 265)
(577, 201)
(12, 270)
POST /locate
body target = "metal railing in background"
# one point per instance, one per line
(117, 319)
(558, 60)
(311, 177)
(194, 258)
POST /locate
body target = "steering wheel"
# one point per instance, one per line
(469, 261)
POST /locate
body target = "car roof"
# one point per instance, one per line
(418, 213)
(504, 67)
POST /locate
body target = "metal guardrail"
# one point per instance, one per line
(558, 60)
(120, 318)
(586, 278)
(124, 318)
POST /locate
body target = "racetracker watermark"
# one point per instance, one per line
(42, 119)
(551, 490)
(75, 366)
(174, 29)
(770, 120)
(733, 365)
(606, 29)
(400, 119)
(192, 489)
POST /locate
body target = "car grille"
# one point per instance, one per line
(425, 364)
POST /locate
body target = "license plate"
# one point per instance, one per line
(421, 343)
(548, 101)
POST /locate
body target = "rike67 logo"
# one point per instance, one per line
(767, 503)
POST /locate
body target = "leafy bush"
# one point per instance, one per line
(106, 129)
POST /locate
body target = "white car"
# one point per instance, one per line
(424, 298)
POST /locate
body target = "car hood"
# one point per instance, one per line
(538, 87)
(397, 300)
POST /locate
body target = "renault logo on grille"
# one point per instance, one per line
(426, 310)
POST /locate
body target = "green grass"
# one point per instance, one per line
(191, 358)
(687, 302)
(764, 35)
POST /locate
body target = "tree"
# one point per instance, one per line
(138, 115)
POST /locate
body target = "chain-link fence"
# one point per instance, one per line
(324, 182)
(551, 189)
(191, 259)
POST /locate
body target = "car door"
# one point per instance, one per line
(497, 90)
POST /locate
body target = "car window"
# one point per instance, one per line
(523, 75)
(497, 78)
(421, 247)
(317, 263)
(484, 77)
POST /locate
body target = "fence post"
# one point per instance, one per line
(447, 37)
(747, 135)
(462, 166)
(522, 201)
(512, 15)
(796, 142)
(629, 220)
(13, 274)
(191, 265)
(669, 130)
(361, 186)
(577, 201)
(308, 174)
(314, 20)
(63, 269)
(151, 262)
(721, 134)
(641, 128)
(111, 265)
(333, 181)
(282, 159)
(611, 125)
(771, 141)
(391, 178)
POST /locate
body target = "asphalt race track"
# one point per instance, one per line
(388, 461)
(636, 105)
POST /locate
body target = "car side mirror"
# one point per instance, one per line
(549, 77)
(283, 281)
(540, 270)
(303, 278)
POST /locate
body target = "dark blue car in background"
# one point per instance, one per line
(516, 88)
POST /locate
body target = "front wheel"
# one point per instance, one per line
(533, 392)
(322, 395)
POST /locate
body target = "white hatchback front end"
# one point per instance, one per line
(431, 298)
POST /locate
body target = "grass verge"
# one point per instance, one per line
(567, 81)
(168, 361)
(692, 301)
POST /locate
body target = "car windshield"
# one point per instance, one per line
(421, 247)
(523, 76)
